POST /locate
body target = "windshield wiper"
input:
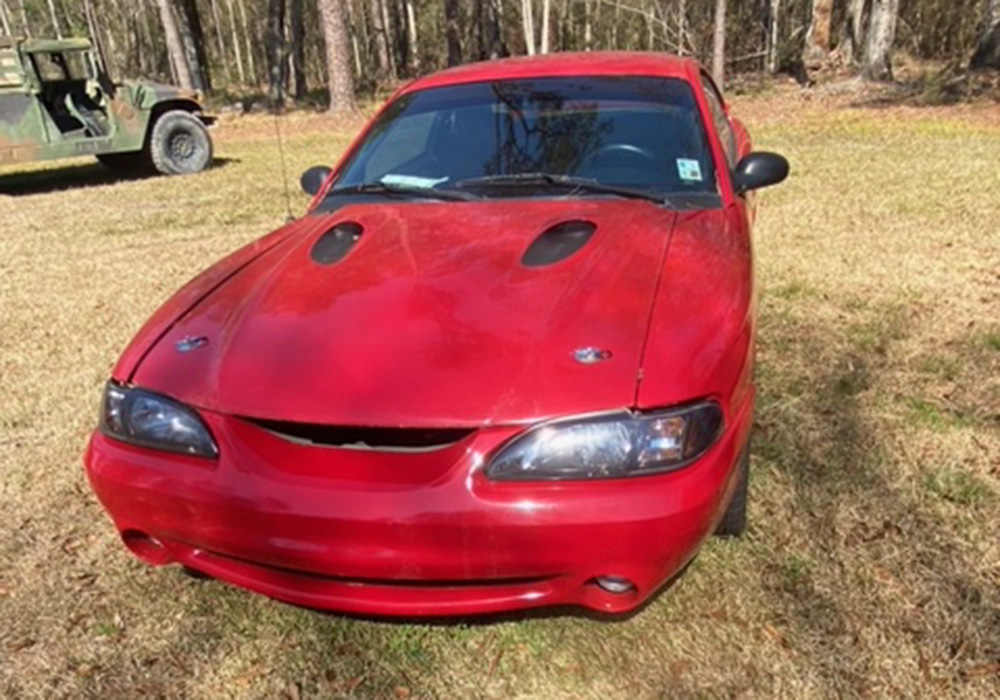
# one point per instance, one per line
(396, 188)
(578, 184)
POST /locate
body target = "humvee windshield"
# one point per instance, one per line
(68, 65)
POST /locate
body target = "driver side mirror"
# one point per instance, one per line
(312, 179)
(759, 169)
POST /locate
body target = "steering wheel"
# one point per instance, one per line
(628, 150)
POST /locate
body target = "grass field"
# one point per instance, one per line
(872, 566)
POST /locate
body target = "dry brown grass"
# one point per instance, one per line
(873, 564)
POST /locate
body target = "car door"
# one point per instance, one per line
(23, 132)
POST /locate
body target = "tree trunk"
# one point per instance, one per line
(719, 44)
(220, 40)
(588, 28)
(817, 49)
(681, 27)
(773, 37)
(528, 22)
(251, 66)
(55, 20)
(4, 20)
(452, 32)
(381, 39)
(297, 48)
(338, 56)
(175, 47)
(852, 40)
(881, 34)
(987, 53)
(237, 52)
(276, 52)
(193, 41)
(546, 25)
(492, 30)
(413, 56)
(25, 27)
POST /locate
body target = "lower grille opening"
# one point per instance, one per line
(365, 438)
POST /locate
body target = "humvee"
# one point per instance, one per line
(58, 101)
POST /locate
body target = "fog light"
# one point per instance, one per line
(615, 584)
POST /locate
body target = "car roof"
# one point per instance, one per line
(562, 64)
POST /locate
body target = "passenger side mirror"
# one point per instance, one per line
(759, 169)
(313, 178)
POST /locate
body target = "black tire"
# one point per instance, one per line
(135, 163)
(734, 522)
(179, 144)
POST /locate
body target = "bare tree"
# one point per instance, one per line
(453, 32)
(719, 43)
(987, 53)
(817, 48)
(773, 36)
(413, 56)
(528, 23)
(852, 39)
(5, 19)
(881, 35)
(338, 56)
(381, 38)
(55, 20)
(251, 67)
(236, 43)
(546, 25)
(175, 48)
(297, 48)
(275, 43)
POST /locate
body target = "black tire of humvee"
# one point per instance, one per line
(179, 144)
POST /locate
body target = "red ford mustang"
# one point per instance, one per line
(505, 361)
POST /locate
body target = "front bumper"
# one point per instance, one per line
(408, 534)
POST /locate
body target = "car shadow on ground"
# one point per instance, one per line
(69, 177)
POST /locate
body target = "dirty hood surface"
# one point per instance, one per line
(430, 320)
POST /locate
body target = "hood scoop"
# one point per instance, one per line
(334, 245)
(557, 243)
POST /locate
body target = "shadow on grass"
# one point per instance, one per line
(877, 562)
(73, 176)
(950, 85)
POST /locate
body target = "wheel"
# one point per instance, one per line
(180, 144)
(734, 522)
(126, 163)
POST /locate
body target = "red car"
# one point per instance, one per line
(505, 361)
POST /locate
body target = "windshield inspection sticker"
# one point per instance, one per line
(411, 180)
(689, 170)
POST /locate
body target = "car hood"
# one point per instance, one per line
(431, 319)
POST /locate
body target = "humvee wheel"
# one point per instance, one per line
(180, 144)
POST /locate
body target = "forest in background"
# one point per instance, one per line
(291, 48)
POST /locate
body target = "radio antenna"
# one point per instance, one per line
(289, 217)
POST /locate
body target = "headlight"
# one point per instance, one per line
(608, 447)
(142, 418)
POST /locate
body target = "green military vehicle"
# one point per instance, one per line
(57, 101)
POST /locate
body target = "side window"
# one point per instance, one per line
(10, 69)
(722, 125)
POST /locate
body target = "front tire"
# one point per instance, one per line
(179, 144)
(734, 522)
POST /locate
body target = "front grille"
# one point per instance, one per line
(365, 438)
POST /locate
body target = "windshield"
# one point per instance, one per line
(640, 133)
